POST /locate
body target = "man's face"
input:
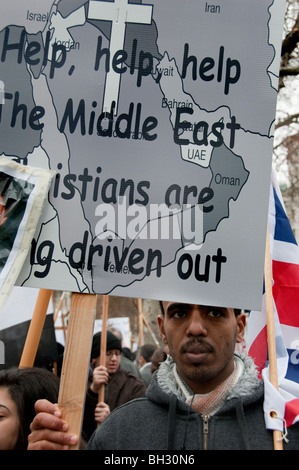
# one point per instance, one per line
(112, 360)
(201, 341)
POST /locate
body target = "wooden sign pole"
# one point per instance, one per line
(76, 361)
(59, 306)
(277, 435)
(150, 330)
(140, 319)
(35, 328)
(103, 343)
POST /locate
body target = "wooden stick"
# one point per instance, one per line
(59, 307)
(277, 435)
(140, 318)
(150, 330)
(63, 327)
(73, 381)
(35, 329)
(103, 343)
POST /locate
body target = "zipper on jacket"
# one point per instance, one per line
(205, 431)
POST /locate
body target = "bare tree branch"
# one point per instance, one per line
(284, 71)
(289, 120)
(291, 40)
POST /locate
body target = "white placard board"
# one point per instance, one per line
(158, 119)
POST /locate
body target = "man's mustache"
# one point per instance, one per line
(197, 346)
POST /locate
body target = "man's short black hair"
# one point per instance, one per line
(237, 310)
(147, 350)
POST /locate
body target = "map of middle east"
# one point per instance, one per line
(158, 120)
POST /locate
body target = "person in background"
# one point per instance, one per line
(121, 385)
(127, 356)
(145, 371)
(19, 390)
(158, 357)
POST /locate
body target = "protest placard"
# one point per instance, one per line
(158, 120)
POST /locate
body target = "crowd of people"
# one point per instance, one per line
(201, 393)
(123, 380)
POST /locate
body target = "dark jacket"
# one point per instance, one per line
(122, 387)
(163, 421)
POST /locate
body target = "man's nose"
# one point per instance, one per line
(196, 325)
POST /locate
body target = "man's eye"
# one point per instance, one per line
(215, 313)
(178, 314)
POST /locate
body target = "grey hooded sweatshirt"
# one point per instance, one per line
(163, 421)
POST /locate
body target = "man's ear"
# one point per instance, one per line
(241, 322)
(161, 327)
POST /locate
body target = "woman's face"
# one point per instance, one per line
(9, 421)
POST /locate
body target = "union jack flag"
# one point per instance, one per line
(285, 290)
